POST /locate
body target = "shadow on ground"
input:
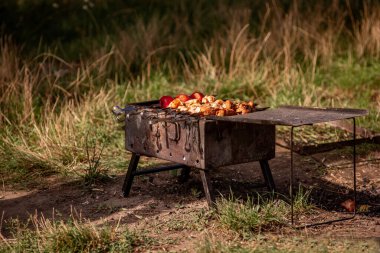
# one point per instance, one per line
(162, 193)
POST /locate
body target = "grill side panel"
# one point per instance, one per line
(201, 144)
(179, 142)
(228, 143)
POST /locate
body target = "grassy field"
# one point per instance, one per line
(247, 226)
(63, 69)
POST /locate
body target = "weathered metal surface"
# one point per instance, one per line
(295, 116)
(196, 142)
(177, 142)
(228, 143)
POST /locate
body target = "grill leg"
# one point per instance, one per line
(205, 175)
(267, 175)
(130, 174)
(185, 174)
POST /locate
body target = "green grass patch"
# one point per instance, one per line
(350, 74)
(194, 221)
(71, 236)
(254, 215)
(247, 217)
(282, 244)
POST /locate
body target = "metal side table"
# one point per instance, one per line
(295, 116)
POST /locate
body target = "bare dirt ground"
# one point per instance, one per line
(177, 215)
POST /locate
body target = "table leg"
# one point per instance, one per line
(267, 175)
(354, 183)
(130, 174)
(205, 175)
(291, 175)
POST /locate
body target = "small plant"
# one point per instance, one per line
(94, 172)
(208, 246)
(196, 221)
(195, 192)
(247, 216)
(302, 200)
(251, 216)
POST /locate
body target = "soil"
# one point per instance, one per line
(177, 212)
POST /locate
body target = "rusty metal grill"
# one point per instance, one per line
(209, 142)
(195, 141)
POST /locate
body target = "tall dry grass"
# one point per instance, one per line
(40, 234)
(48, 105)
(46, 118)
(309, 34)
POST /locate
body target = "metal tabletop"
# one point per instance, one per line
(295, 116)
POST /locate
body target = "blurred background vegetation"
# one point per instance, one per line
(64, 64)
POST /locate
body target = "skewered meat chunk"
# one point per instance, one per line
(191, 102)
(208, 99)
(245, 111)
(209, 105)
(195, 110)
(209, 111)
(216, 105)
(225, 112)
(243, 107)
(219, 102)
(227, 104)
(220, 113)
(229, 112)
(183, 108)
(175, 103)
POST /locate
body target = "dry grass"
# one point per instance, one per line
(273, 54)
(281, 244)
(260, 213)
(366, 33)
(55, 112)
(75, 235)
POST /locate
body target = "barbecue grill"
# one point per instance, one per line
(209, 142)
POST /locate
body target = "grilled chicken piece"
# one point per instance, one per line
(225, 112)
(195, 109)
(208, 99)
(175, 103)
(191, 102)
(212, 106)
(243, 107)
(183, 108)
(229, 112)
(245, 111)
(220, 113)
(219, 102)
(227, 104)
(209, 111)
(217, 105)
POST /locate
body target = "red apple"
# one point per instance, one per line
(183, 97)
(197, 95)
(165, 101)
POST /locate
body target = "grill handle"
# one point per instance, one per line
(116, 110)
(119, 113)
